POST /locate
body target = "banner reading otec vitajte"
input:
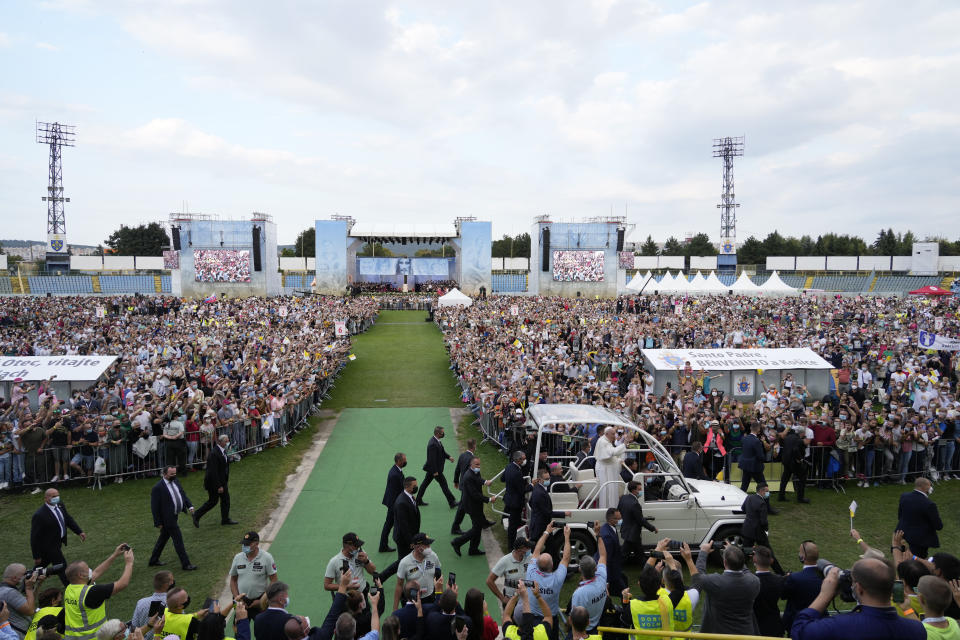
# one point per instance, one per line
(65, 368)
(734, 359)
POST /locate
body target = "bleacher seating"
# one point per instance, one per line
(904, 284)
(5, 285)
(60, 285)
(727, 279)
(127, 284)
(794, 281)
(508, 282)
(840, 283)
(165, 285)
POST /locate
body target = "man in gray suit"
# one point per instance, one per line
(730, 595)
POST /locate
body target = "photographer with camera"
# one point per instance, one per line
(870, 584)
(84, 602)
(20, 603)
(729, 595)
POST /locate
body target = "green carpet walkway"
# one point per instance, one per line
(401, 361)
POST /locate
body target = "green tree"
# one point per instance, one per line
(885, 244)
(374, 250)
(144, 240)
(672, 247)
(306, 244)
(287, 252)
(649, 247)
(905, 244)
(700, 245)
(446, 251)
(517, 246)
(751, 252)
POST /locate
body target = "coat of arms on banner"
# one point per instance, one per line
(743, 384)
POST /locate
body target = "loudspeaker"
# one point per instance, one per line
(620, 233)
(175, 231)
(257, 266)
(546, 249)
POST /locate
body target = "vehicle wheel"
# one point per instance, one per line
(581, 544)
(728, 533)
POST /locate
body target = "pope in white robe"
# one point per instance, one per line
(609, 457)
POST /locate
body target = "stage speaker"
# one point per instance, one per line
(620, 233)
(175, 232)
(257, 264)
(546, 249)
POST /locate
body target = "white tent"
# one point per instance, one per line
(636, 284)
(713, 284)
(666, 284)
(699, 284)
(744, 285)
(454, 298)
(681, 284)
(775, 286)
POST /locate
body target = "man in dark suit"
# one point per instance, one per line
(611, 542)
(463, 465)
(438, 623)
(513, 495)
(437, 456)
(215, 481)
(406, 523)
(755, 525)
(167, 501)
(919, 518)
(48, 532)
(269, 625)
(751, 458)
(394, 489)
(793, 454)
(767, 605)
(693, 462)
(632, 514)
(801, 587)
(541, 507)
(473, 484)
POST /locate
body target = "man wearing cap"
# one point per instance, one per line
(357, 562)
(251, 573)
(419, 565)
(513, 567)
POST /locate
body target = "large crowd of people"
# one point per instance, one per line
(221, 265)
(216, 370)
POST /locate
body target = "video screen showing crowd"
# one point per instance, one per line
(894, 399)
(221, 265)
(578, 266)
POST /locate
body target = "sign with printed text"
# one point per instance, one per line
(341, 328)
(734, 359)
(929, 340)
(65, 368)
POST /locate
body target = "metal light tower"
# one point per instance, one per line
(56, 135)
(728, 148)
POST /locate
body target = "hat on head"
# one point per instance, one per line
(352, 538)
(250, 536)
(422, 538)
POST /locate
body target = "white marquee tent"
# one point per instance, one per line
(744, 285)
(777, 287)
(454, 298)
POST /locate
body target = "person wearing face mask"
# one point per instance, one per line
(919, 518)
(754, 528)
(473, 484)
(252, 571)
(167, 501)
(48, 532)
(176, 621)
(84, 602)
(357, 562)
(541, 506)
(514, 492)
(631, 511)
(394, 489)
(512, 566)
(215, 481)
(872, 619)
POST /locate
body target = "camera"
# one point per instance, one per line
(675, 545)
(844, 581)
(43, 571)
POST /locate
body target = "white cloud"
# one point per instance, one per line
(47, 46)
(4, 40)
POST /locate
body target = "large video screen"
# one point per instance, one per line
(221, 265)
(578, 266)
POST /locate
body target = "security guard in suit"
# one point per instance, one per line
(463, 465)
(394, 489)
(436, 458)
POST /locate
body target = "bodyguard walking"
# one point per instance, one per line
(437, 457)
(394, 489)
(48, 532)
(473, 496)
(463, 466)
(215, 481)
(513, 495)
(167, 501)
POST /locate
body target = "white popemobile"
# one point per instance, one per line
(681, 508)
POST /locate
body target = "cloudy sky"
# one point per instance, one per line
(424, 111)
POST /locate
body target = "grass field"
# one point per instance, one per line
(400, 363)
(121, 513)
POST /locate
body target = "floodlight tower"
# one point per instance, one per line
(56, 135)
(728, 149)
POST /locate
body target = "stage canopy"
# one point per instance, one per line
(454, 298)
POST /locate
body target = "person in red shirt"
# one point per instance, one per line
(824, 439)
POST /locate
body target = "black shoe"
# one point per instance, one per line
(476, 552)
(196, 521)
(489, 523)
(155, 563)
(457, 532)
(803, 500)
(456, 549)
(190, 567)
(387, 550)
(453, 505)
(225, 522)
(421, 503)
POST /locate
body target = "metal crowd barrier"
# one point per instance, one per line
(120, 461)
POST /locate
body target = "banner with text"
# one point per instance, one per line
(929, 340)
(65, 368)
(735, 359)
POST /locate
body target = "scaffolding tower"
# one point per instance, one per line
(56, 135)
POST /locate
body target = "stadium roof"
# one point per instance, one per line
(391, 230)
